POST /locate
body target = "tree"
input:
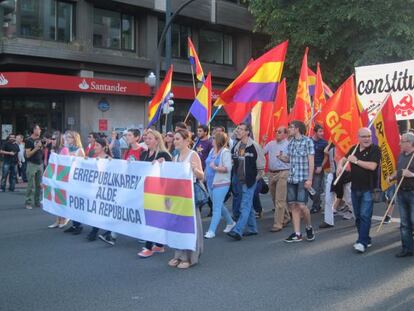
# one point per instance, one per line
(340, 34)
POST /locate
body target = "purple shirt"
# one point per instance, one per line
(203, 148)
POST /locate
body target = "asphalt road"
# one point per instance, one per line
(45, 269)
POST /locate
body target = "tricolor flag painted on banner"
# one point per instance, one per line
(201, 107)
(257, 83)
(160, 98)
(60, 196)
(194, 61)
(388, 137)
(168, 204)
(47, 192)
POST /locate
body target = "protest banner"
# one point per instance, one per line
(153, 202)
(374, 82)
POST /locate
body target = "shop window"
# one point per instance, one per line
(216, 47)
(113, 30)
(179, 35)
(47, 19)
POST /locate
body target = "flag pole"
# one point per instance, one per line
(195, 91)
(356, 147)
(395, 194)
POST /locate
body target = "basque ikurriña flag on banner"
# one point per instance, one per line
(160, 98)
(168, 204)
(388, 137)
(201, 107)
(257, 83)
(194, 61)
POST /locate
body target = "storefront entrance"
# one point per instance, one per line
(18, 113)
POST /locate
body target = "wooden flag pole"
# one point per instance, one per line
(395, 194)
(195, 92)
(357, 146)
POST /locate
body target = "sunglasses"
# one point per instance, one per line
(53, 138)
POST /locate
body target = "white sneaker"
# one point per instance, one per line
(55, 225)
(348, 215)
(359, 248)
(209, 235)
(229, 228)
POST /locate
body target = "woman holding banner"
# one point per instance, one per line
(184, 259)
(156, 151)
(58, 146)
(74, 144)
(217, 174)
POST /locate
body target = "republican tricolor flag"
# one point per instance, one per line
(160, 98)
(257, 83)
(194, 61)
(168, 204)
(201, 107)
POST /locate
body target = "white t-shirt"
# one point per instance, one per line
(273, 149)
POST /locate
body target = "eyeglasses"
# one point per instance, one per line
(365, 136)
(280, 132)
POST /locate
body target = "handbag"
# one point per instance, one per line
(200, 194)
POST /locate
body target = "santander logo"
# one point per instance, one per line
(102, 86)
(3, 80)
(84, 85)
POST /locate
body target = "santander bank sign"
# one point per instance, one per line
(106, 86)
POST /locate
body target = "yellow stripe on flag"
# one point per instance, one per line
(169, 204)
(268, 72)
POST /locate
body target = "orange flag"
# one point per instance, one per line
(319, 99)
(341, 118)
(302, 108)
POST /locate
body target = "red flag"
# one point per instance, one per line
(387, 134)
(319, 99)
(302, 108)
(341, 117)
(280, 113)
(257, 83)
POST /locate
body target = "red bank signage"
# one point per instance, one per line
(33, 80)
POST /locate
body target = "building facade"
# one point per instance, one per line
(82, 64)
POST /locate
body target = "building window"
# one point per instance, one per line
(179, 35)
(216, 47)
(113, 30)
(48, 19)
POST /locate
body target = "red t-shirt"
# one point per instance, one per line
(133, 155)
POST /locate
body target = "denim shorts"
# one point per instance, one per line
(296, 193)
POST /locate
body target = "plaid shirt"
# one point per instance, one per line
(299, 150)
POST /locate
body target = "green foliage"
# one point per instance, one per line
(340, 34)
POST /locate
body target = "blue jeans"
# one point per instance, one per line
(363, 206)
(405, 201)
(9, 169)
(219, 210)
(236, 197)
(247, 215)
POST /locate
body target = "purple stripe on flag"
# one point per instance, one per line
(311, 90)
(199, 112)
(192, 60)
(253, 91)
(170, 222)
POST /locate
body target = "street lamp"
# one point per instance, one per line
(151, 80)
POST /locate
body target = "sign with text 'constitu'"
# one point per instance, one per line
(373, 83)
(153, 202)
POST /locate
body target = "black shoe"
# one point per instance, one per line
(250, 233)
(234, 235)
(293, 238)
(71, 229)
(387, 219)
(77, 230)
(91, 236)
(259, 215)
(315, 210)
(325, 225)
(310, 235)
(107, 238)
(404, 253)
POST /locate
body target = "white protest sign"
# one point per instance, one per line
(373, 83)
(153, 202)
